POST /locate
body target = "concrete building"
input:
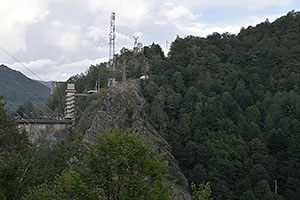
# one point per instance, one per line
(70, 110)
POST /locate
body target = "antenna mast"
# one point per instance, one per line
(112, 49)
(135, 41)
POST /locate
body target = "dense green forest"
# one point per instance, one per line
(17, 88)
(230, 108)
(228, 105)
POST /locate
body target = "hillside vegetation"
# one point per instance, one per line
(17, 88)
(119, 166)
(229, 106)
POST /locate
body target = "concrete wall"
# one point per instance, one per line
(39, 131)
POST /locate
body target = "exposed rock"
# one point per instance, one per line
(126, 109)
(136, 64)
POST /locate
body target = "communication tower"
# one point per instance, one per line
(112, 50)
(135, 41)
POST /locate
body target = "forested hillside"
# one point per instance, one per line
(119, 166)
(17, 88)
(229, 106)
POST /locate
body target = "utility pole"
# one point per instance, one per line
(124, 83)
(112, 50)
(97, 88)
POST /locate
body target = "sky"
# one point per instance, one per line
(56, 39)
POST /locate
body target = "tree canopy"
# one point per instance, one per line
(119, 166)
(229, 107)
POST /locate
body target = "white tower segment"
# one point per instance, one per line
(112, 49)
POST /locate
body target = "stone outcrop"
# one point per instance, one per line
(126, 109)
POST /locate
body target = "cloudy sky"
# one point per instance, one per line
(59, 38)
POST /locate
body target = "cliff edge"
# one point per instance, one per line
(126, 109)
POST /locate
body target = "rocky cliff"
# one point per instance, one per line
(126, 109)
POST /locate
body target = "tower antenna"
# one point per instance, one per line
(112, 50)
(135, 41)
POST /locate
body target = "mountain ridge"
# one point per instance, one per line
(17, 88)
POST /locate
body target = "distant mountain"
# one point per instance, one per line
(46, 83)
(17, 88)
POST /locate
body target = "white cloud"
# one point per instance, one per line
(139, 34)
(101, 34)
(253, 20)
(84, 42)
(101, 49)
(68, 41)
(68, 37)
(40, 67)
(97, 33)
(66, 31)
(47, 69)
(15, 17)
(123, 37)
(169, 4)
(129, 13)
(247, 4)
(178, 13)
(201, 29)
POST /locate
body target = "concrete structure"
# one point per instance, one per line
(70, 110)
(43, 128)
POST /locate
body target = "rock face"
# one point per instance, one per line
(126, 109)
(136, 64)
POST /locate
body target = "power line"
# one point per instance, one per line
(26, 91)
(112, 61)
(18, 61)
(12, 110)
(13, 57)
(31, 93)
(84, 114)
